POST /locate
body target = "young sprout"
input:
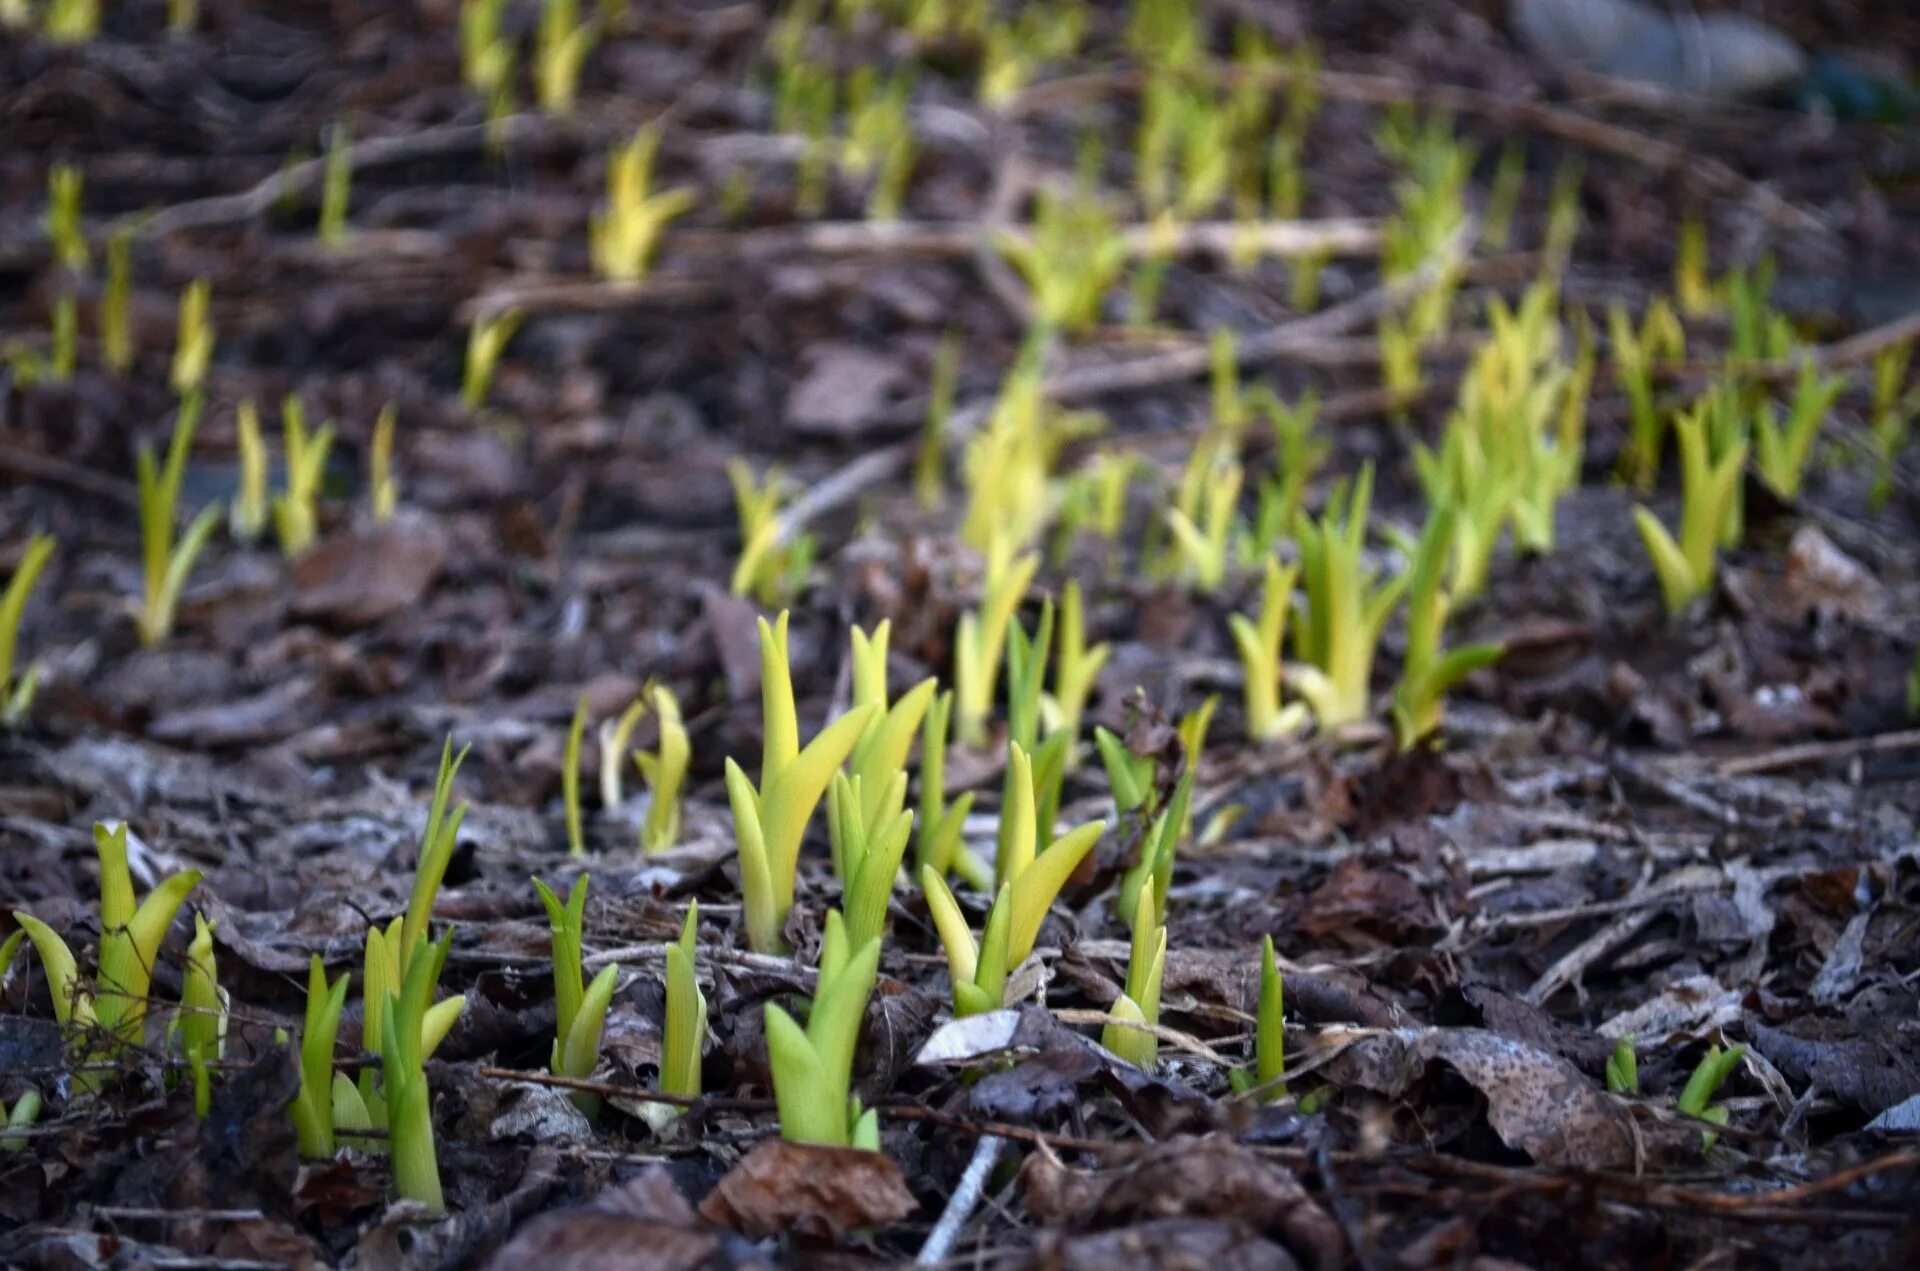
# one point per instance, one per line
(336, 186)
(980, 638)
(580, 1013)
(624, 235)
(1015, 48)
(941, 388)
(939, 825)
(1345, 609)
(1780, 453)
(1269, 1034)
(193, 345)
(1076, 670)
(1153, 872)
(978, 971)
(1258, 642)
(867, 857)
(313, 1107)
(202, 1022)
(486, 341)
(416, 1166)
(769, 569)
(1691, 284)
(570, 779)
(1429, 673)
(878, 763)
(296, 518)
(1129, 776)
(69, 240)
(1634, 353)
(382, 485)
(615, 736)
(165, 565)
(1686, 568)
(1298, 454)
(1756, 332)
(1708, 1076)
(1892, 418)
(66, 338)
(880, 137)
(1623, 1068)
(1138, 1008)
(486, 55)
(665, 771)
(1026, 672)
(1204, 547)
(25, 1111)
(116, 329)
(1070, 261)
(686, 1025)
(1503, 197)
(71, 21)
(182, 15)
(813, 1067)
(1034, 876)
(247, 518)
(16, 697)
(561, 44)
(770, 822)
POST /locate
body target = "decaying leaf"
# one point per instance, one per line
(810, 1190)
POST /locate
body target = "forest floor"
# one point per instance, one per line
(1687, 831)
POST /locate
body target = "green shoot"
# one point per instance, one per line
(665, 771)
(1780, 453)
(560, 46)
(1708, 1076)
(1140, 1003)
(879, 138)
(1034, 876)
(69, 240)
(770, 568)
(1258, 643)
(165, 565)
(1692, 285)
(313, 1107)
(686, 1025)
(66, 338)
(71, 21)
(486, 55)
(1204, 547)
(580, 1012)
(336, 186)
(770, 822)
(1634, 354)
(25, 1111)
(878, 764)
(1892, 416)
(570, 779)
(980, 639)
(202, 1023)
(1346, 611)
(868, 856)
(193, 344)
(939, 825)
(1298, 454)
(486, 341)
(247, 518)
(1756, 332)
(1503, 197)
(1686, 568)
(1070, 261)
(1017, 48)
(625, 234)
(296, 518)
(1623, 1068)
(1129, 776)
(1076, 670)
(813, 1067)
(941, 388)
(16, 697)
(382, 485)
(1429, 672)
(1269, 1033)
(615, 736)
(116, 329)
(1153, 872)
(416, 1166)
(978, 971)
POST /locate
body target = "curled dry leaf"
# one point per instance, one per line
(362, 578)
(1184, 1243)
(644, 1224)
(809, 1189)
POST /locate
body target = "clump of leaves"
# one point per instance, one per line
(165, 564)
(1034, 872)
(16, 697)
(625, 234)
(1346, 608)
(1686, 568)
(581, 1013)
(813, 1066)
(1781, 451)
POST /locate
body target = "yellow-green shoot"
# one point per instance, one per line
(1298, 455)
(978, 971)
(65, 354)
(1203, 535)
(772, 565)
(71, 21)
(1346, 608)
(16, 696)
(165, 564)
(686, 1025)
(1686, 568)
(1076, 668)
(580, 1012)
(880, 137)
(1258, 642)
(202, 1023)
(1152, 874)
(624, 235)
(336, 186)
(664, 769)
(296, 516)
(1708, 1076)
(1781, 451)
(980, 639)
(1692, 285)
(878, 764)
(1070, 261)
(1623, 1068)
(1634, 354)
(1129, 776)
(813, 1067)
(941, 388)
(486, 54)
(116, 328)
(25, 1111)
(570, 779)
(1893, 410)
(247, 518)
(313, 1106)
(1430, 672)
(486, 341)
(1035, 877)
(1026, 673)
(182, 15)
(937, 843)
(866, 856)
(560, 46)
(193, 341)
(770, 821)
(383, 486)
(416, 1166)
(1138, 1008)
(1269, 1034)
(64, 233)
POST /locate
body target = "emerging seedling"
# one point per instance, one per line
(978, 971)
(336, 186)
(1204, 545)
(313, 1107)
(1623, 1068)
(1140, 1003)
(202, 1023)
(771, 566)
(1071, 260)
(486, 341)
(1152, 874)
(247, 518)
(1429, 672)
(25, 1111)
(1034, 876)
(941, 387)
(813, 1067)
(1129, 776)
(116, 330)
(561, 44)
(980, 639)
(416, 1166)
(16, 697)
(1269, 1035)
(69, 241)
(770, 822)
(486, 54)
(580, 1013)
(1780, 452)
(940, 824)
(1708, 1076)
(193, 344)
(665, 771)
(296, 517)
(686, 1026)
(71, 21)
(878, 764)
(1077, 668)
(1892, 416)
(867, 857)
(1258, 643)
(1345, 609)
(1634, 354)
(624, 235)
(570, 779)
(1686, 568)
(383, 486)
